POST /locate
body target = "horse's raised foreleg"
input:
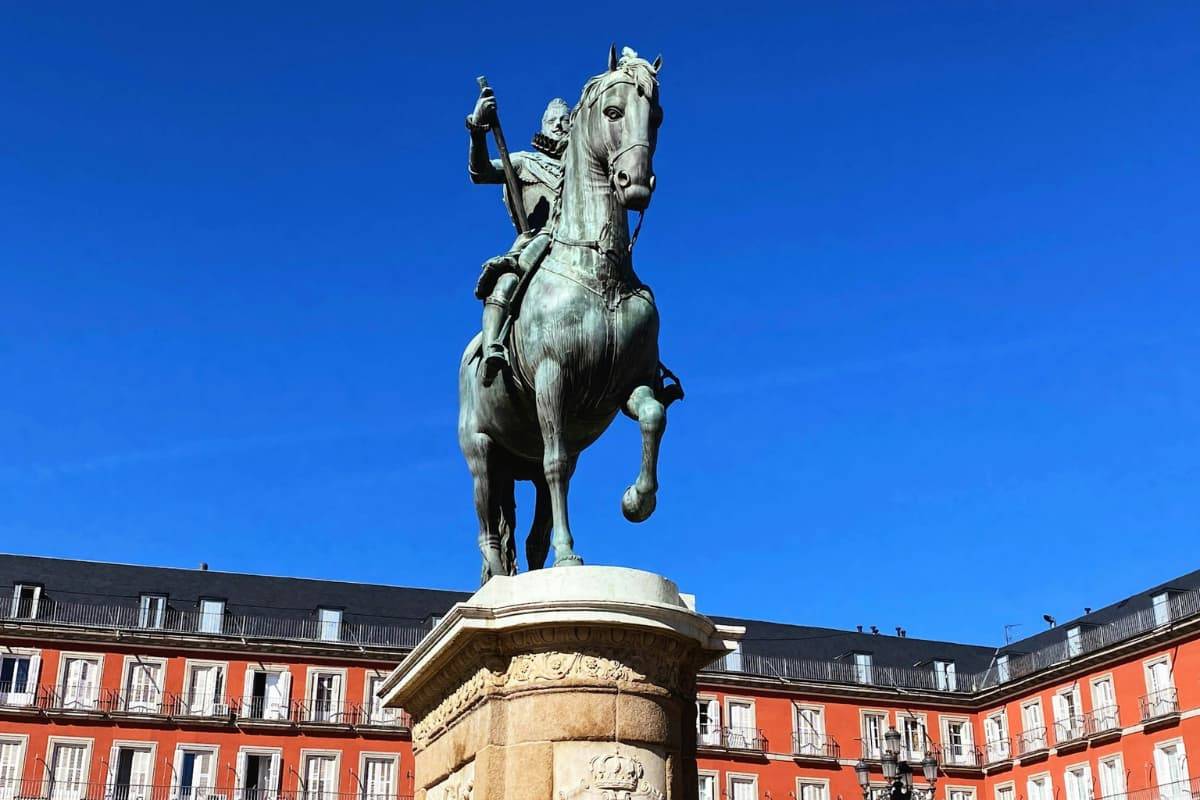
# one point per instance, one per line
(489, 502)
(639, 499)
(548, 385)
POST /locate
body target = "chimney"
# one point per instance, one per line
(1087, 609)
(903, 633)
(859, 628)
(204, 566)
(874, 630)
(899, 631)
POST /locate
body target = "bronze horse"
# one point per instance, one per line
(585, 342)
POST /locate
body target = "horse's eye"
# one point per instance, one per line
(613, 113)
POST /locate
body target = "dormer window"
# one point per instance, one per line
(944, 677)
(1002, 673)
(1162, 608)
(1074, 641)
(863, 667)
(26, 597)
(212, 616)
(152, 610)
(329, 624)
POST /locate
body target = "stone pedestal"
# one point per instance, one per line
(559, 683)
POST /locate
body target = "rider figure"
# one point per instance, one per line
(539, 173)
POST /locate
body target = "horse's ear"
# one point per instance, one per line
(658, 63)
(612, 58)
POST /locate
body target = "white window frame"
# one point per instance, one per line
(1074, 641)
(245, 751)
(303, 791)
(999, 787)
(1119, 759)
(32, 681)
(1045, 740)
(329, 629)
(21, 740)
(712, 736)
(1163, 658)
(1003, 673)
(60, 682)
(221, 704)
(822, 783)
(968, 744)
(381, 715)
(363, 757)
(285, 710)
(997, 750)
(1114, 714)
(1068, 727)
(864, 671)
(741, 731)
(863, 713)
(945, 675)
(1039, 776)
(1089, 786)
(1160, 604)
(131, 744)
(813, 734)
(144, 611)
(127, 672)
(922, 720)
(337, 713)
(52, 742)
(714, 776)
(14, 612)
(177, 766)
(205, 616)
(730, 777)
(1158, 746)
(968, 790)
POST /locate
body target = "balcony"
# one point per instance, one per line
(323, 712)
(959, 757)
(195, 708)
(1102, 723)
(133, 703)
(811, 746)
(997, 752)
(81, 698)
(1070, 732)
(267, 710)
(748, 740)
(1178, 790)
(382, 718)
(1033, 743)
(1160, 707)
(18, 695)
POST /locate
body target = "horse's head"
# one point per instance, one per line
(623, 116)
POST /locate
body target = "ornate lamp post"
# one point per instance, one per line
(898, 772)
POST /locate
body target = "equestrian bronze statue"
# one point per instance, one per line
(570, 334)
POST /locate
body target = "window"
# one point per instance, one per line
(1078, 782)
(743, 787)
(995, 733)
(1112, 777)
(12, 764)
(808, 730)
(320, 776)
(379, 777)
(68, 769)
(1002, 673)
(733, 660)
(944, 678)
(913, 737)
(1068, 722)
(257, 774)
(1074, 641)
(267, 693)
(1006, 791)
(707, 782)
(708, 722)
(194, 769)
(808, 789)
(1037, 787)
(329, 624)
(152, 611)
(1160, 689)
(862, 668)
(205, 693)
(79, 686)
(960, 793)
(26, 597)
(1170, 767)
(212, 616)
(743, 732)
(19, 678)
(1104, 705)
(1162, 608)
(1033, 735)
(377, 713)
(143, 687)
(874, 723)
(130, 771)
(956, 740)
(324, 701)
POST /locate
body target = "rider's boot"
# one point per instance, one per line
(495, 356)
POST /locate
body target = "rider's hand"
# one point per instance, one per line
(485, 109)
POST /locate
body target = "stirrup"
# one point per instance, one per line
(494, 361)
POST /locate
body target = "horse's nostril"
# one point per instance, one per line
(622, 179)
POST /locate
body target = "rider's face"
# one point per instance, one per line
(556, 122)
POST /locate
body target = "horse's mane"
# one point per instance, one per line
(632, 68)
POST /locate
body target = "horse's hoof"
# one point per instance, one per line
(569, 561)
(637, 507)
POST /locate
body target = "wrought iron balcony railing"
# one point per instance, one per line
(816, 746)
(139, 702)
(1163, 703)
(84, 697)
(1032, 741)
(1102, 720)
(997, 751)
(731, 738)
(961, 755)
(1176, 790)
(193, 707)
(1069, 729)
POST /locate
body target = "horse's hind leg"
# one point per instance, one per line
(489, 501)
(639, 499)
(548, 387)
(537, 544)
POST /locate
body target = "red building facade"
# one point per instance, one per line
(138, 683)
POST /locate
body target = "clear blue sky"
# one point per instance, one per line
(928, 271)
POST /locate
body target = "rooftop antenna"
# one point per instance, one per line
(1008, 629)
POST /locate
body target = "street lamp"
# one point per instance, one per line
(898, 772)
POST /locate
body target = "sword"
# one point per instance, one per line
(510, 176)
